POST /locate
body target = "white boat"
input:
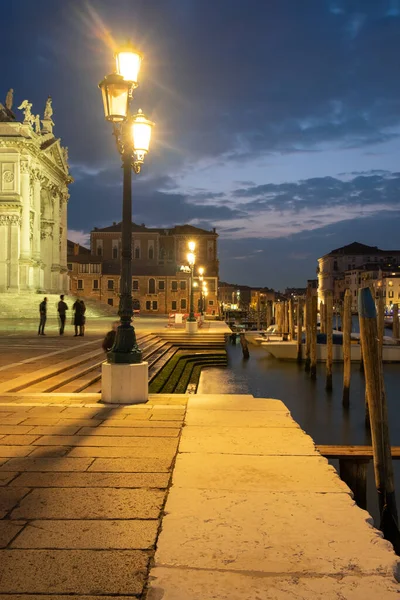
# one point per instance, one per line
(288, 351)
(258, 337)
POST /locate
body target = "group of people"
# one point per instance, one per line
(79, 309)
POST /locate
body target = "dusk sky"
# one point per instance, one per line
(277, 121)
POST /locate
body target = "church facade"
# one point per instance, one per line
(34, 179)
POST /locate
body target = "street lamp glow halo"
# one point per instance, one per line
(201, 270)
(192, 246)
(191, 258)
(128, 62)
(115, 94)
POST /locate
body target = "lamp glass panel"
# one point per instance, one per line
(128, 65)
(141, 133)
(116, 102)
(191, 258)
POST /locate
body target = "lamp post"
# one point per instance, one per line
(201, 282)
(132, 134)
(191, 258)
(205, 294)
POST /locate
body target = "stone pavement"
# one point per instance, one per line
(255, 512)
(82, 490)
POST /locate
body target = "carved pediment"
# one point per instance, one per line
(57, 155)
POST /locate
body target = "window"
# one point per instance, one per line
(173, 305)
(183, 285)
(110, 284)
(95, 268)
(136, 246)
(95, 284)
(161, 286)
(69, 266)
(155, 305)
(115, 252)
(335, 265)
(391, 294)
(80, 284)
(135, 285)
(211, 302)
(152, 286)
(84, 268)
(137, 252)
(99, 251)
(110, 301)
(151, 253)
(148, 304)
(174, 286)
(183, 303)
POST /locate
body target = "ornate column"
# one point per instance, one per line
(36, 208)
(25, 252)
(63, 239)
(46, 237)
(13, 250)
(55, 267)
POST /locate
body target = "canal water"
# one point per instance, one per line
(318, 412)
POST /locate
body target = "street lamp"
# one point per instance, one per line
(191, 258)
(201, 278)
(132, 134)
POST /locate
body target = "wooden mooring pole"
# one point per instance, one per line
(322, 317)
(346, 328)
(291, 319)
(285, 317)
(307, 314)
(381, 322)
(245, 348)
(313, 348)
(299, 332)
(383, 466)
(329, 339)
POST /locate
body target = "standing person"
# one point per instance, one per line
(43, 316)
(78, 316)
(62, 308)
(82, 326)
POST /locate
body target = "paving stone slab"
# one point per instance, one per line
(141, 451)
(273, 532)
(145, 423)
(17, 440)
(15, 451)
(103, 535)
(104, 441)
(6, 477)
(9, 497)
(240, 418)
(244, 440)
(46, 464)
(181, 584)
(130, 431)
(11, 420)
(14, 429)
(72, 572)
(90, 480)
(158, 416)
(90, 503)
(132, 465)
(8, 530)
(58, 597)
(39, 421)
(257, 473)
(55, 429)
(234, 402)
(48, 451)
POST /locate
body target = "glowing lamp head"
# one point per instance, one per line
(115, 93)
(128, 61)
(192, 246)
(141, 135)
(201, 270)
(190, 258)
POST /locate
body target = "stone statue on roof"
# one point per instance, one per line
(37, 124)
(26, 106)
(9, 98)
(48, 111)
(65, 153)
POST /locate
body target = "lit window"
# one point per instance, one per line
(135, 285)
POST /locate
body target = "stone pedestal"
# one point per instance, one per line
(191, 327)
(124, 384)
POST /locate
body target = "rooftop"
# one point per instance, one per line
(177, 230)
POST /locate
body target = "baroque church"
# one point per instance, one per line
(34, 179)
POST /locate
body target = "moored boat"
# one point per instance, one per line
(288, 351)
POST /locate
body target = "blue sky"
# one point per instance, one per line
(277, 123)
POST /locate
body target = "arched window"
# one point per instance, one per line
(152, 286)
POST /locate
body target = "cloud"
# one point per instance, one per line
(79, 237)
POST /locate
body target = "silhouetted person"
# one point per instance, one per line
(109, 339)
(62, 308)
(82, 327)
(43, 316)
(78, 316)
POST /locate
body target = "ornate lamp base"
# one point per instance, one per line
(125, 349)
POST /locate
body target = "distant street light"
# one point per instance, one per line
(191, 258)
(132, 134)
